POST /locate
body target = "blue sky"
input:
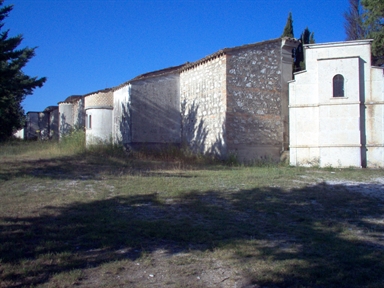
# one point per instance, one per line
(88, 45)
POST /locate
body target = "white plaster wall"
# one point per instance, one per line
(101, 126)
(327, 69)
(155, 114)
(304, 124)
(331, 129)
(121, 133)
(375, 157)
(303, 91)
(339, 125)
(375, 120)
(340, 156)
(305, 156)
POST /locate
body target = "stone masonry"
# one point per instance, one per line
(254, 87)
(203, 104)
(103, 98)
(235, 101)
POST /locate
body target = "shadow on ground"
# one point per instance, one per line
(307, 226)
(85, 166)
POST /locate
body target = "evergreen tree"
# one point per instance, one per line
(307, 37)
(14, 84)
(374, 25)
(312, 38)
(354, 21)
(288, 29)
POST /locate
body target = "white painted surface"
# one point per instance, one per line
(337, 131)
(101, 126)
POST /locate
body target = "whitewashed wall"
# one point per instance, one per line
(335, 131)
(122, 115)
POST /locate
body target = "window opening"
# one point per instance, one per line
(338, 86)
(89, 121)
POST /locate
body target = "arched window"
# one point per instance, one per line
(338, 86)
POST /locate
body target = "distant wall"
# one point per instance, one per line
(54, 124)
(43, 122)
(79, 114)
(32, 125)
(65, 118)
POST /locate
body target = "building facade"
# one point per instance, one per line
(337, 107)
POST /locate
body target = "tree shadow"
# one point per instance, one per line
(65, 128)
(89, 165)
(195, 133)
(305, 226)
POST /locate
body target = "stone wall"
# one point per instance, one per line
(203, 105)
(254, 112)
(102, 98)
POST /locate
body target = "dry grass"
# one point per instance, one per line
(101, 218)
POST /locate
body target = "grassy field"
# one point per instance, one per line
(103, 218)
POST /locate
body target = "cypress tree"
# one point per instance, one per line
(354, 21)
(288, 29)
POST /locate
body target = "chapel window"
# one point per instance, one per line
(89, 121)
(338, 86)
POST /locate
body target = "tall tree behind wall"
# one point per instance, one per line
(288, 29)
(354, 21)
(374, 25)
(14, 84)
(307, 37)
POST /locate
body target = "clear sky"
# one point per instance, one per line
(88, 45)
